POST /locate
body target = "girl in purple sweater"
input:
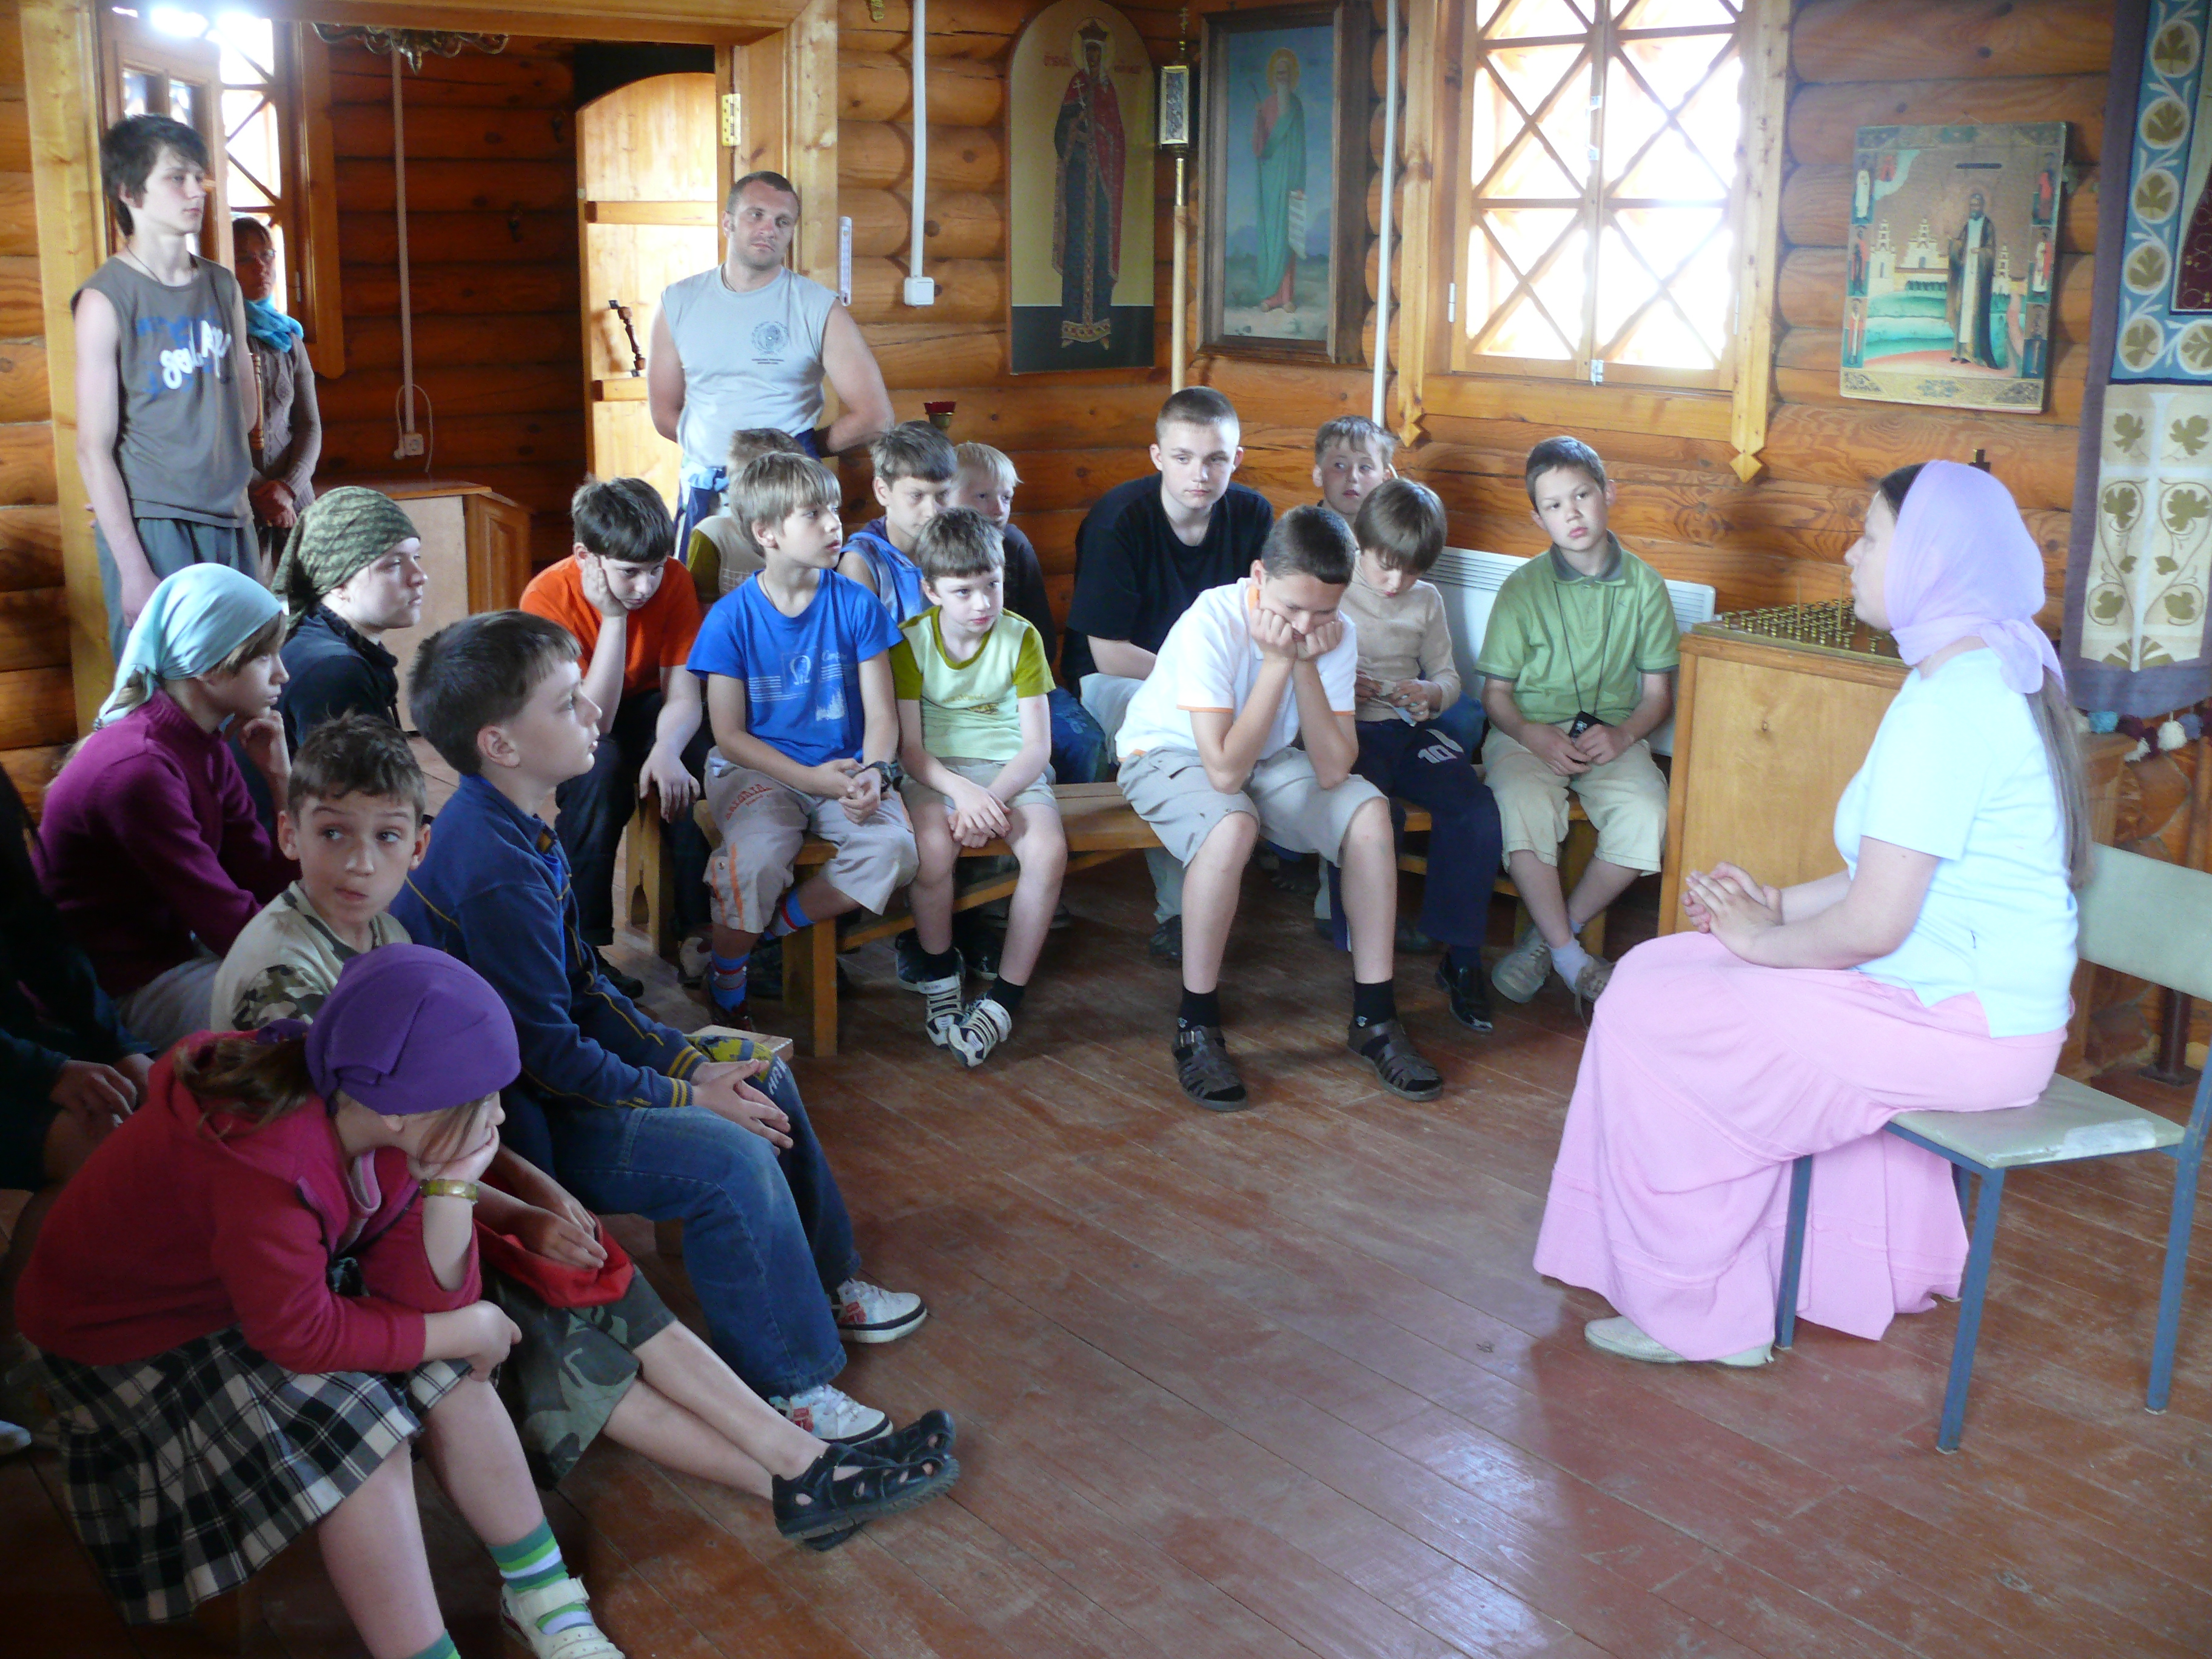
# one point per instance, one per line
(148, 843)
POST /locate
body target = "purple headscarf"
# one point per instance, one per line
(1963, 563)
(408, 1030)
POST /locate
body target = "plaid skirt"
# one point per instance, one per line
(187, 1471)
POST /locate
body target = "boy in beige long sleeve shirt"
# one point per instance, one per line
(1406, 679)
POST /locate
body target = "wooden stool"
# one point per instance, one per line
(649, 877)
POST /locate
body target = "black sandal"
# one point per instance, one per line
(820, 1502)
(1398, 1065)
(929, 1436)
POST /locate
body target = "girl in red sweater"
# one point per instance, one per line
(262, 1285)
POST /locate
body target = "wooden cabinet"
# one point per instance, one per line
(476, 551)
(1766, 734)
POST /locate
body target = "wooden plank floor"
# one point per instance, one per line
(1282, 1385)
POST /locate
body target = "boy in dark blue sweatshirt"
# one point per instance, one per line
(629, 1116)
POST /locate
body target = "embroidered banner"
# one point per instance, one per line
(2145, 606)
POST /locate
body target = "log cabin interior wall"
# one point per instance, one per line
(1781, 537)
(491, 181)
(1071, 436)
(38, 711)
(491, 230)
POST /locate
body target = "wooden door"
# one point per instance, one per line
(147, 73)
(648, 203)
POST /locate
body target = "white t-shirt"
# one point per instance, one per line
(1208, 662)
(1957, 769)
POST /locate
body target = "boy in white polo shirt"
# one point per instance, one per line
(1209, 758)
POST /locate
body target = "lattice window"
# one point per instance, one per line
(1601, 183)
(253, 124)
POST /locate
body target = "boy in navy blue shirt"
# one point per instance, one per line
(915, 466)
(628, 1114)
(797, 663)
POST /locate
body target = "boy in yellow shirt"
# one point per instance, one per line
(975, 738)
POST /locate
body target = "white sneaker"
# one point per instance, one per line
(830, 1413)
(940, 1010)
(981, 1029)
(14, 1438)
(869, 1313)
(520, 1614)
(1622, 1337)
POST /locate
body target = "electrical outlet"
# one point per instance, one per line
(410, 447)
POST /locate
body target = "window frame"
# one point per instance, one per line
(1459, 207)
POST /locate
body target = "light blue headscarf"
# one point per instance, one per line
(192, 621)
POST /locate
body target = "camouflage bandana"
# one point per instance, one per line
(337, 535)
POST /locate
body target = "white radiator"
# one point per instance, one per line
(1470, 581)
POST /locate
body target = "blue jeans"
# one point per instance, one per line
(1079, 750)
(766, 1238)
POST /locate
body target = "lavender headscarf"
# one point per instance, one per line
(1963, 563)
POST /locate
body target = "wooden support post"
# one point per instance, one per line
(809, 986)
(61, 86)
(649, 877)
(1767, 77)
(1421, 137)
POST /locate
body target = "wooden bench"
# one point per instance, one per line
(1100, 824)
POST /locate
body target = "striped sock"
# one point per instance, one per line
(443, 1648)
(726, 981)
(532, 1562)
(793, 917)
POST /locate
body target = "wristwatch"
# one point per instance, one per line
(894, 774)
(441, 1188)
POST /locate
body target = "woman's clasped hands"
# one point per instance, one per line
(1731, 904)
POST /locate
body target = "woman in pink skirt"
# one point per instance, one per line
(1931, 972)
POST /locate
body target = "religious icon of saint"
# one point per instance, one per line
(1279, 144)
(1861, 195)
(1973, 267)
(1086, 197)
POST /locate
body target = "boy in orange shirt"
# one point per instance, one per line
(635, 613)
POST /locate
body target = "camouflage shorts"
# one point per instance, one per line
(563, 1380)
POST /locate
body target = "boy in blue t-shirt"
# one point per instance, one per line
(915, 466)
(797, 663)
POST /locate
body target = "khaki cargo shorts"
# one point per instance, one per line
(1626, 799)
(1169, 790)
(763, 823)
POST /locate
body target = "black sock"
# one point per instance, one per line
(939, 965)
(1461, 957)
(1007, 994)
(1200, 1008)
(1371, 1005)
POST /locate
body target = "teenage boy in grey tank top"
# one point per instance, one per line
(748, 344)
(164, 388)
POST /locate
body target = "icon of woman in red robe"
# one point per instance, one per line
(1086, 192)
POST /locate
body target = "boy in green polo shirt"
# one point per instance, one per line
(975, 737)
(1577, 667)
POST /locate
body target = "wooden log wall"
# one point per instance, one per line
(1781, 537)
(491, 231)
(38, 708)
(1071, 436)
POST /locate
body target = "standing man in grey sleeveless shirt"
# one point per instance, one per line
(748, 344)
(165, 389)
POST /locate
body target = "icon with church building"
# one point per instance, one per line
(1948, 268)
